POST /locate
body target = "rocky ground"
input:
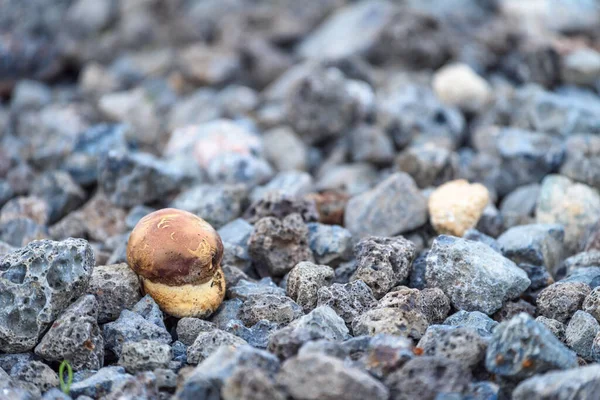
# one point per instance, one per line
(408, 192)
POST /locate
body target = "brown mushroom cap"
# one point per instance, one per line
(177, 256)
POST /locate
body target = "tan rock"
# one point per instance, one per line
(458, 85)
(456, 206)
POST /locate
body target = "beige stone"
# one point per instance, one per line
(456, 206)
(458, 85)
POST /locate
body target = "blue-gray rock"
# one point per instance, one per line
(189, 328)
(491, 221)
(75, 336)
(554, 326)
(91, 145)
(10, 361)
(330, 244)
(580, 334)
(562, 299)
(36, 373)
(279, 205)
(521, 347)
(129, 179)
(304, 281)
(518, 207)
(142, 386)
(535, 244)
(348, 300)
(248, 383)
(61, 193)
(239, 168)
(476, 320)
(217, 204)
(427, 377)
(208, 342)
(136, 214)
(37, 283)
(591, 304)
(145, 355)
(271, 307)
(582, 162)
(456, 343)
(394, 206)
(417, 277)
(381, 354)
(246, 289)
(206, 379)
(179, 351)
(590, 276)
(288, 183)
(372, 144)
(428, 164)
(235, 237)
(101, 383)
(19, 232)
(472, 275)
(131, 327)
(576, 383)
(148, 309)
(257, 335)
(477, 236)
(56, 394)
(326, 347)
(318, 376)
(6, 192)
(228, 310)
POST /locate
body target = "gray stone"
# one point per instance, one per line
(75, 336)
(130, 179)
(580, 383)
(287, 183)
(55, 394)
(5, 248)
(37, 283)
(131, 327)
(304, 282)
(142, 386)
(383, 354)
(591, 304)
(590, 276)
(428, 164)
(235, 237)
(228, 310)
(101, 383)
(317, 376)
(371, 143)
(472, 275)
(521, 347)
(581, 163)
(61, 193)
(179, 351)
(392, 207)
(561, 300)
(348, 300)
(391, 321)
(476, 320)
(232, 168)
(246, 289)
(418, 271)
(435, 305)
(38, 374)
(189, 328)
(491, 222)
(426, 377)
(535, 244)
(518, 207)
(584, 259)
(144, 355)
(580, 333)
(383, 262)
(257, 335)
(274, 308)
(284, 149)
(208, 342)
(280, 205)
(326, 347)
(351, 179)
(581, 67)
(455, 343)
(116, 288)
(165, 379)
(574, 205)
(554, 326)
(476, 236)
(32, 207)
(276, 246)
(19, 232)
(246, 383)
(216, 204)
(330, 244)
(148, 309)
(324, 320)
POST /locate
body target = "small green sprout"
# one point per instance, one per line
(65, 386)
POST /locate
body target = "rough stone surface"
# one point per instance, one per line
(144, 355)
(60, 192)
(591, 304)
(392, 207)
(37, 283)
(391, 321)
(150, 311)
(458, 85)
(435, 305)
(188, 329)
(257, 335)
(554, 326)
(330, 244)
(101, 383)
(270, 307)
(561, 300)
(304, 282)
(455, 343)
(208, 342)
(131, 327)
(348, 300)
(38, 374)
(456, 206)
(383, 262)
(246, 289)
(75, 336)
(472, 275)
(561, 385)
(580, 334)
(246, 383)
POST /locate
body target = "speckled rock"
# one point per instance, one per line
(208, 342)
(235, 237)
(228, 310)
(246, 289)
(257, 335)
(383, 262)
(40, 281)
(101, 383)
(304, 282)
(19, 232)
(116, 288)
(142, 386)
(189, 328)
(561, 300)
(476, 320)
(280, 205)
(554, 326)
(560, 385)
(316, 376)
(38, 374)
(61, 193)
(150, 311)
(574, 205)
(348, 300)
(131, 327)
(391, 321)
(246, 383)
(144, 355)
(276, 246)
(521, 347)
(287, 183)
(435, 305)
(75, 336)
(580, 334)
(392, 207)
(274, 308)
(455, 343)
(456, 206)
(472, 275)
(427, 377)
(330, 244)
(591, 304)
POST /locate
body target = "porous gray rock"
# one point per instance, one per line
(208, 342)
(561, 300)
(189, 328)
(435, 305)
(246, 289)
(472, 275)
(348, 300)
(131, 327)
(144, 355)
(317, 376)
(257, 335)
(60, 192)
(427, 377)
(276, 246)
(75, 336)
(37, 283)
(324, 320)
(235, 237)
(150, 311)
(591, 304)
(101, 383)
(521, 347)
(554, 326)
(383, 262)
(38, 374)
(228, 310)
(246, 383)
(394, 206)
(455, 343)
(561, 385)
(382, 354)
(391, 321)
(580, 334)
(274, 308)
(142, 386)
(116, 288)
(304, 282)
(330, 244)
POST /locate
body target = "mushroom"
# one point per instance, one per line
(177, 256)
